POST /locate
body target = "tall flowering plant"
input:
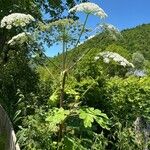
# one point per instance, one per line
(60, 117)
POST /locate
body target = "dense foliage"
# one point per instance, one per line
(81, 99)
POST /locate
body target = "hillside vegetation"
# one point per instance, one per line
(133, 40)
(91, 96)
(109, 87)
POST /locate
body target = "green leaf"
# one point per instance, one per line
(54, 98)
(57, 115)
(73, 144)
(87, 118)
(90, 114)
(102, 122)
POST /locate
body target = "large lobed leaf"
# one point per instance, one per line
(89, 115)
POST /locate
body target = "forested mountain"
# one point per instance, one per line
(133, 40)
(133, 44)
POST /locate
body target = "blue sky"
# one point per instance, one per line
(121, 13)
(125, 13)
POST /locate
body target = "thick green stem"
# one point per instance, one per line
(63, 55)
(62, 89)
(63, 81)
(62, 94)
(82, 30)
(64, 50)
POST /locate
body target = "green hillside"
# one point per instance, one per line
(138, 39)
(134, 39)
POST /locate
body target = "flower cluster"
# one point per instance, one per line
(109, 27)
(112, 30)
(55, 24)
(108, 56)
(16, 19)
(62, 22)
(89, 8)
(20, 38)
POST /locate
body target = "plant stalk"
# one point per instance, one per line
(63, 82)
(62, 94)
(82, 30)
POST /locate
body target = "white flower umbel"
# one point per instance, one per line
(108, 56)
(16, 19)
(89, 8)
(112, 30)
(109, 27)
(19, 39)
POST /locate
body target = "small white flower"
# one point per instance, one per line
(114, 58)
(23, 24)
(89, 8)
(16, 19)
(106, 60)
(3, 24)
(96, 58)
(8, 27)
(123, 64)
(101, 14)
